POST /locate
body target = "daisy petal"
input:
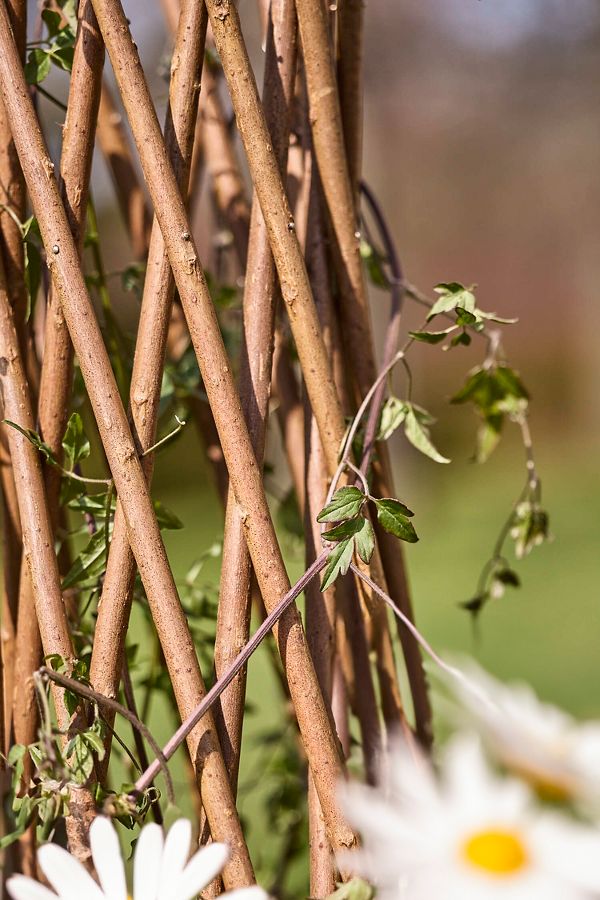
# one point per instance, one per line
(249, 893)
(200, 871)
(147, 862)
(175, 855)
(20, 887)
(108, 862)
(68, 877)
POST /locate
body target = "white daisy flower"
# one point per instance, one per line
(465, 836)
(558, 756)
(161, 868)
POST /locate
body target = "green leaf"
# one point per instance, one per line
(452, 295)
(63, 57)
(69, 9)
(53, 21)
(345, 503)
(529, 528)
(392, 416)
(488, 436)
(81, 758)
(165, 517)
(395, 518)
(417, 433)
(94, 740)
(463, 338)
(75, 443)
(345, 529)
(33, 438)
(431, 337)
(464, 317)
(374, 265)
(37, 66)
(360, 531)
(364, 541)
(338, 562)
(476, 603)
(92, 503)
(90, 563)
(355, 889)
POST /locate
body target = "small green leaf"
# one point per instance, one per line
(488, 436)
(344, 530)
(476, 604)
(393, 414)
(417, 433)
(33, 438)
(452, 295)
(464, 317)
(94, 740)
(37, 66)
(395, 518)
(529, 528)
(165, 517)
(90, 563)
(69, 9)
(373, 264)
(53, 21)
(62, 57)
(464, 339)
(431, 337)
(364, 541)
(338, 562)
(75, 443)
(360, 530)
(345, 503)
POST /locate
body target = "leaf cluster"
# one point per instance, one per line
(354, 532)
(496, 392)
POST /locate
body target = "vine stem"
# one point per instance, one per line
(226, 678)
(82, 690)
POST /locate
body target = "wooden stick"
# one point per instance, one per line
(143, 532)
(38, 543)
(117, 591)
(350, 82)
(12, 196)
(245, 476)
(57, 368)
(327, 132)
(260, 300)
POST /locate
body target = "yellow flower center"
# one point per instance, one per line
(496, 851)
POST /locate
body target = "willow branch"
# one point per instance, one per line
(350, 83)
(245, 475)
(12, 211)
(57, 368)
(143, 532)
(144, 397)
(259, 305)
